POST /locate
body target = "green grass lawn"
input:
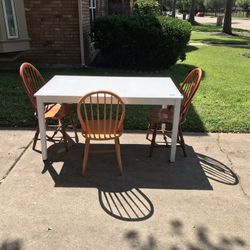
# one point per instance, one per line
(221, 104)
(223, 100)
(219, 38)
(212, 28)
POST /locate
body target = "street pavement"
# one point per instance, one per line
(241, 23)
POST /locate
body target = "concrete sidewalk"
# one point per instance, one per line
(199, 202)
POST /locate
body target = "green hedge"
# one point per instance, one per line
(141, 42)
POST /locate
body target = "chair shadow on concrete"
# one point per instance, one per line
(56, 139)
(122, 196)
(127, 204)
(217, 171)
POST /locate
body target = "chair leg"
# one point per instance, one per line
(51, 138)
(74, 128)
(165, 138)
(153, 141)
(148, 131)
(85, 156)
(118, 154)
(182, 142)
(35, 138)
(65, 140)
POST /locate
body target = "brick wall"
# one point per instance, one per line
(53, 26)
(101, 7)
(121, 7)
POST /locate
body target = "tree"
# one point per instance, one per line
(183, 7)
(173, 8)
(227, 26)
(192, 12)
(215, 5)
(245, 4)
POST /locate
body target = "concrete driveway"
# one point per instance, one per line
(199, 202)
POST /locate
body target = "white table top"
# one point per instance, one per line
(133, 90)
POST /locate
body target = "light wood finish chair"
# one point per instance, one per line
(101, 114)
(160, 116)
(32, 81)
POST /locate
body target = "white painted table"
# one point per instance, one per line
(132, 90)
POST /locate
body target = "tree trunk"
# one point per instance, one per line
(191, 13)
(174, 8)
(161, 7)
(227, 26)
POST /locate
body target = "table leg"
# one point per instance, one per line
(175, 129)
(42, 128)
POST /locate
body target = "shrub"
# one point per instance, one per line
(141, 42)
(146, 7)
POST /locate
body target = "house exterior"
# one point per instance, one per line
(48, 32)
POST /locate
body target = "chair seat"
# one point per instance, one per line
(162, 115)
(102, 130)
(57, 111)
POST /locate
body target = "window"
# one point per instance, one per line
(92, 13)
(10, 18)
(13, 27)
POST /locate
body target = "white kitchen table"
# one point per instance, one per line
(132, 90)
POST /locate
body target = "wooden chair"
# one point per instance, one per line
(101, 114)
(32, 81)
(161, 116)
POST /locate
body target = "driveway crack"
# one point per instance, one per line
(15, 162)
(231, 165)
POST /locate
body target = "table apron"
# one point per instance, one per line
(129, 101)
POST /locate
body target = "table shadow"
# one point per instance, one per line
(144, 172)
(123, 197)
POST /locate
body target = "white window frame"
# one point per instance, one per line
(92, 7)
(6, 20)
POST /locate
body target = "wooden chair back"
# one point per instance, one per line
(32, 81)
(101, 114)
(188, 88)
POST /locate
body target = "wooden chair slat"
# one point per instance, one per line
(111, 114)
(117, 114)
(105, 114)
